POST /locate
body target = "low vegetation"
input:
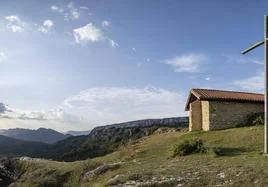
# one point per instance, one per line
(188, 147)
(9, 171)
(236, 159)
(255, 119)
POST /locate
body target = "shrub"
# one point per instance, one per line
(188, 147)
(255, 119)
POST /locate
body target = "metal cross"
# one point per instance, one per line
(265, 42)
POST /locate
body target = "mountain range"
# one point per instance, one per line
(101, 140)
(40, 135)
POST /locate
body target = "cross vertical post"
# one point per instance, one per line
(265, 82)
(265, 42)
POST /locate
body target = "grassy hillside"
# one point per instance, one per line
(147, 162)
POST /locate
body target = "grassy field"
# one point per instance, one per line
(147, 162)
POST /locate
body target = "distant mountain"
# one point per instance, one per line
(39, 135)
(106, 139)
(78, 133)
(13, 147)
(101, 140)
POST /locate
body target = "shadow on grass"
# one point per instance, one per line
(229, 151)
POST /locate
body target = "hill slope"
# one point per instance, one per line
(147, 162)
(39, 135)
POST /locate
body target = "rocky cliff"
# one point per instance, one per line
(177, 122)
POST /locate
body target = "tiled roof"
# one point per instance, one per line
(221, 95)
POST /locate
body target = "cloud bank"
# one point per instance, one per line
(104, 105)
(107, 105)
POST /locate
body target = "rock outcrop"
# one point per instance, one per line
(176, 122)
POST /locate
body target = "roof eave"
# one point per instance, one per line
(192, 92)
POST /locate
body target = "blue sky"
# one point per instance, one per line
(78, 64)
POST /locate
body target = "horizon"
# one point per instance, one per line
(103, 125)
(75, 65)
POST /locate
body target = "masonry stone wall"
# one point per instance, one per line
(224, 115)
(195, 119)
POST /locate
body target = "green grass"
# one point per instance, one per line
(241, 162)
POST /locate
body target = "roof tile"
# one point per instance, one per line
(222, 95)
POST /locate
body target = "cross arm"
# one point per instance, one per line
(252, 47)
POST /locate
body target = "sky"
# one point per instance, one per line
(74, 65)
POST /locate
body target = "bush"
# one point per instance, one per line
(255, 119)
(188, 147)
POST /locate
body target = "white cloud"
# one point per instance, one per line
(2, 56)
(99, 106)
(87, 33)
(91, 33)
(105, 23)
(242, 59)
(46, 27)
(13, 18)
(207, 78)
(187, 63)
(57, 114)
(15, 24)
(75, 14)
(113, 43)
(48, 23)
(57, 119)
(15, 28)
(109, 105)
(56, 9)
(84, 7)
(69, 11)
(254, 83)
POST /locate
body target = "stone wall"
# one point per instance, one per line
(224, 115)
(195, 118)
